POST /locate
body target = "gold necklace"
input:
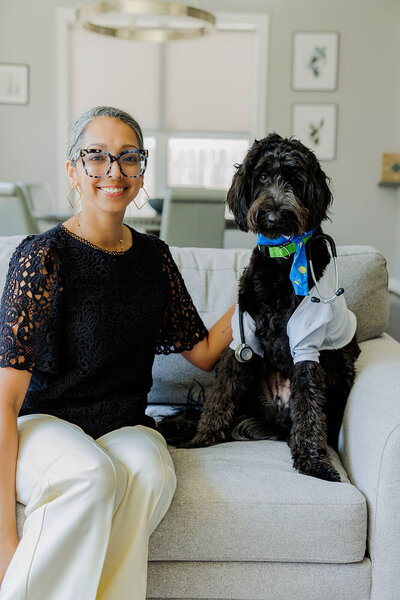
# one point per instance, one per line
(121, 241)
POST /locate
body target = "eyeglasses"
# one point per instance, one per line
(97, 163)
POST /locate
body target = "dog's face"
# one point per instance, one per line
(279, 189)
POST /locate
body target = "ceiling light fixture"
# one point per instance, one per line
(146, 20)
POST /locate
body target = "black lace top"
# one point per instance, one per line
(87, 324)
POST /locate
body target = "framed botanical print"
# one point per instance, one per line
(14, 84)
(315, 126)
(315, 61)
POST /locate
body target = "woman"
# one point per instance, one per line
(86, 307)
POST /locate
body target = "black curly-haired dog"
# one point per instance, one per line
(280, 189)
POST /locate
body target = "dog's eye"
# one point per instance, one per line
(263, 177)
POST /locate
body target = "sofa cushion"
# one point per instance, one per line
(212, 276)
(243, 501)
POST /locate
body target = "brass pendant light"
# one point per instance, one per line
(146, 20)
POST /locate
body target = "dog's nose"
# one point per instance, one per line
(271, 218)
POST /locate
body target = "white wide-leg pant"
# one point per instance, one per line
(91, 507)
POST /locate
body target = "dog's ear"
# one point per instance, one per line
(319, 193)
(239, 194)
(236, 197)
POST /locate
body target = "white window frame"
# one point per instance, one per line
(258, 23)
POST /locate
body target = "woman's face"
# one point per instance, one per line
(113, 192)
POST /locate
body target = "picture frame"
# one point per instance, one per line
(315, 125)
(14, 83)
(315, 57)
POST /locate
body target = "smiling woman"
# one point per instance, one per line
(87, 305)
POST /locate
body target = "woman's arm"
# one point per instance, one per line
(13, 387)
(206, 353)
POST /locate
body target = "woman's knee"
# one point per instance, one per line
(88, 470)
(57, 457)
(144, 454)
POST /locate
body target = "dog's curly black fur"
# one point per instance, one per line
(279, 189)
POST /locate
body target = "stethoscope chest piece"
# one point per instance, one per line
(243, 353)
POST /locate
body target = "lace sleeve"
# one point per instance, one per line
(29, 312)
(182, 327)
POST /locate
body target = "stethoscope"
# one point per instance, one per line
(243, 352)
(339, 290)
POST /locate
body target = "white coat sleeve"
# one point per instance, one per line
(249, 328)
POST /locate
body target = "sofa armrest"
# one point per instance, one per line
(369, 446)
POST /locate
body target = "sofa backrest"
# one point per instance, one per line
(8, 243)
(212, 275)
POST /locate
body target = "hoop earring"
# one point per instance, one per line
(144, 203)
(76, 188)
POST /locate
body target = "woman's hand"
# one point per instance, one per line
(8, 546)
(206, 353)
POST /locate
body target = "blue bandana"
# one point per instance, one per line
(299, 271)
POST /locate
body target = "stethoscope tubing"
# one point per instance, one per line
(339, 291)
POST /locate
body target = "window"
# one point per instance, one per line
(203, 162)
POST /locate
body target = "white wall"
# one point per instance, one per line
(368, 99)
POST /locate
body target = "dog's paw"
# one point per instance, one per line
(202, 440)
(312, 459)
(320, 470)
(326, 472)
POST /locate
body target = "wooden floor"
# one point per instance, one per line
(394, 319)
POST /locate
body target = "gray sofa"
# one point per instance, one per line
(243, 525)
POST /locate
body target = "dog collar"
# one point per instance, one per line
(283, 248)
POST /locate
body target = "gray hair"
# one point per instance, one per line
(78, 128)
